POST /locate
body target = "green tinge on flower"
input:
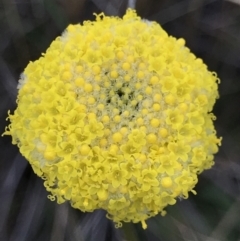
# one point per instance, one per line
(116, 115)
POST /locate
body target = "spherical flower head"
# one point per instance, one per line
(116, 115)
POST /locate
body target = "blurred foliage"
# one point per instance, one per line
(212, 31)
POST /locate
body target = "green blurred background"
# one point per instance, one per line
(212, 31)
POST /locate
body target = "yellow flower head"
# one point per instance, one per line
(116, 115)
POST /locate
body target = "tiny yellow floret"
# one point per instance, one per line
(105, 119)
(114, 74)
(140, 121)
(126, 66)
(163, 132)
(152, 138)
(103, 142)
(127, 77)
(124, 130)
(79, 69)
(91, 100)
(117, 137)
(170, 99)
(148, 90)
(79, 82)
(120, 55)
(96, 69)
(156, 107)
(140, 74)
(88, 88)
(138, 86)
(49, 155)
(154, 80)
(117, 118)
(84, 150)
(91, 116)
(67, 75)
(155, 122)
(157, 97)
(166, 182)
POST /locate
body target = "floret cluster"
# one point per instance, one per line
(116, 115)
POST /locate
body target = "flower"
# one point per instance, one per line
(116, 115)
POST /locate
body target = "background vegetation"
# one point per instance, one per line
(212, 31)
